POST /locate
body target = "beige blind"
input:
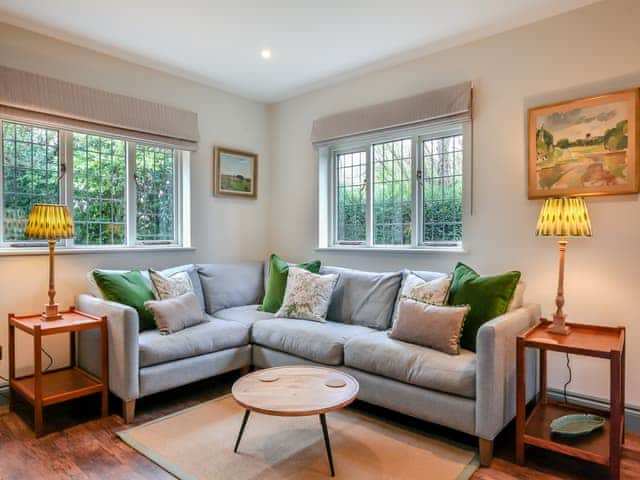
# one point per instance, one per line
(44, 99)
(445, 103)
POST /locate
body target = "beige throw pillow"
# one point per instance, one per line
(175, 314)
(307, 295)
(433, 292)
(433, 326)
(169, 287)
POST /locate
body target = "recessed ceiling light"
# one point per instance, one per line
(265, 53)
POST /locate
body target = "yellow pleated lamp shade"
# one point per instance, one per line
(49, 222)
(564, 217)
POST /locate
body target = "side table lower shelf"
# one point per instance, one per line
(58, 386)
(593, 447)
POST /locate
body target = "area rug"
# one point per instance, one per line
(197, 444)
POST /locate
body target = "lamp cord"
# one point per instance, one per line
(564, 389)
(45, 370)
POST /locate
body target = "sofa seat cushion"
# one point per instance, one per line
(247, 314)
(315, 341)
(210, 336)
(413, 364)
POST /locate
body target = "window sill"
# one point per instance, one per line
(26, 251)
(344, 248)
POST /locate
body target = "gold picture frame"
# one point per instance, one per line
(586, 146)
(235, 173)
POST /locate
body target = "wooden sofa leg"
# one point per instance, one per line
(486, 451)
(128, 410)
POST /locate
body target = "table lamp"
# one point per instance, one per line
(563, 217)
(49, 222)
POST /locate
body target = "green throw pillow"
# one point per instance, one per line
(488, 296)
(277, 282)
(129, 288)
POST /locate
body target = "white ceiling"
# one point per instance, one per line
(313, 43)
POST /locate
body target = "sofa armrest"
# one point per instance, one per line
(496, 369)
(122, 332)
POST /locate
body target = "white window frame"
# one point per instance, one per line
(182, 204)
(327, 187)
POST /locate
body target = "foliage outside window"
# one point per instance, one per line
(30, 170)
(94, 176)
(400, 192)
(154, 193)
(99, 190)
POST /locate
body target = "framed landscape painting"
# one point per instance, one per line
(235, 173)
(585, 147)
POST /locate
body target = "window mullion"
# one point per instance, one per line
(333, 234)
(66, 182)
(416, 192)
(131, 194)
(177, 195)
(370, 179)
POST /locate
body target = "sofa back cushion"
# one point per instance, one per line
(363, 298)
(191, 270)
(227, 285)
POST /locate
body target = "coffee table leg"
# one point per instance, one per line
(325, 432)
(244, 424)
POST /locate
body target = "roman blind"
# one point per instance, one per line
(68, 105)
(444, 104)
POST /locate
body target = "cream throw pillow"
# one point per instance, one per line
(175, 314)
(307, 295)
(170, 287)
(433, 326)
(433, 292)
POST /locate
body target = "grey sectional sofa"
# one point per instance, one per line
(470, 392)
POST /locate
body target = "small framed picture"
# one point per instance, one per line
(587, 146)
(235, 173)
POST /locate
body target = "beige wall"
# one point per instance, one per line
(592, 50)
(222, 229)
(589, 51)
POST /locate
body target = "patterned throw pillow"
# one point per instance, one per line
(433, 292)
(307, 295)
(170, 287)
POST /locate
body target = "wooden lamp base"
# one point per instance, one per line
(51, 312)
(559, 326)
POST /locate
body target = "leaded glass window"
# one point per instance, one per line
(155, 176)
(442, 189)
(392, 195)
(397, 190)
(99, 190)
(351, 179)
(30, 172)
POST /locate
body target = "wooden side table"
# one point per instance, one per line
(603, 446)
(62, 384)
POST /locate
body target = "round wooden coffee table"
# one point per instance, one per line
(295, 392)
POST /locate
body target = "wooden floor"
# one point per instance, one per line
(78, 445)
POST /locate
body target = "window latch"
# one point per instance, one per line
(419, 176)
(63, 171)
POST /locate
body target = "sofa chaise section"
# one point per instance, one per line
(144, 363)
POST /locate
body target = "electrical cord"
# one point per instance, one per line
(50, 360)
(46, 369)
(564, 389)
